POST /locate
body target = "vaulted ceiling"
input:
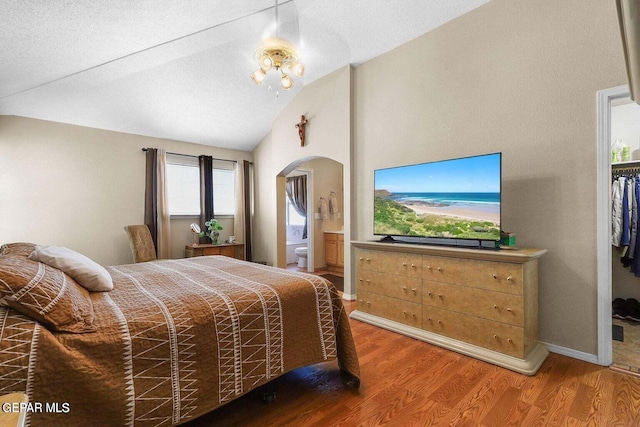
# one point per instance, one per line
(180, 69)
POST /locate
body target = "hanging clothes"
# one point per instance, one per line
(635, 263)
(616, 211)
(634, 217)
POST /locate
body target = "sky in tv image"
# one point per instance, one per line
(480, 174)
(457, 198)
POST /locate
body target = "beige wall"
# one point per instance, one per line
(78, 187)
(518, 77)
(326, 103)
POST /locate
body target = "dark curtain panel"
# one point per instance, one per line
(296, 188)
(151, 195)
(247, 209)
(206, 192)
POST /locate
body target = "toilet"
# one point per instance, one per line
(301, 253)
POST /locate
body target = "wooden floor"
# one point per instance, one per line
(406, 382)
(626, 354)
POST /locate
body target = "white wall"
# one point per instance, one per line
(78, 187)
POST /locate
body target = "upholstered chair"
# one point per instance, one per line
(141, 243)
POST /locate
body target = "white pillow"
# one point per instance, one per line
(88, 273)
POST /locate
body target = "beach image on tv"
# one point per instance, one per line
(457, 198)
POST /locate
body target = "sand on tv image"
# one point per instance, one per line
(458, 199)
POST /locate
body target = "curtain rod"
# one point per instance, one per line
(189, 155)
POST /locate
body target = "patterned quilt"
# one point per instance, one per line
(175, 339)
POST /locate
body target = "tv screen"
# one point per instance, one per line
(457, 199)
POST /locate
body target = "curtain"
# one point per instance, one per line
(163, 247)
(151, 195)
(296, 187)
(247, 190)
(239, 215)
(156, 214)
(206, 192)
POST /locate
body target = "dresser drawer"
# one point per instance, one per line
(395, 263)
(495, 276)
(500, 337)
(401, 287)
(391, 308)
(498, 306)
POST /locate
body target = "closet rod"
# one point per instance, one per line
(626, 170)
(189, 155)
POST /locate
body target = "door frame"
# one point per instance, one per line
(603, 215)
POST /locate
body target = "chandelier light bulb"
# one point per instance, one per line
(297, 68)
(265, 62)
(258, 76)
(287, 82)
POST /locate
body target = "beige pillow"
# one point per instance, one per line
(88, 273)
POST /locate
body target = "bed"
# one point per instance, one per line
(172, 340)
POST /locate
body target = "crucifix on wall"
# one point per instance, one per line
(301, 125)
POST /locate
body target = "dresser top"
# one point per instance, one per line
(501, 255)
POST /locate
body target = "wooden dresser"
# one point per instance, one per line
(482, 303)
(233, 250)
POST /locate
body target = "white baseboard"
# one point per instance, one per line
(348, 297)
(569, 352)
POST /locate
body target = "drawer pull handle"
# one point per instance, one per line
(404, 288)
(368, 303)
(368, 259)
(404, 264)
(495, 276)
(413, 266)
(428, 267)
(414, 291)
(439, 322)
(495, 306)
(509, 339)
(495, 337)
(429, 319)
(361, 258)
(509, 278)
(413, 315)
(405, 313)
(440, 296)
(429, 293)
(361, 302)
(509, 310)
(439, 268)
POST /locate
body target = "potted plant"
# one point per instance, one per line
(214, 227)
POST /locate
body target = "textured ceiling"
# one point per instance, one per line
(180, 70)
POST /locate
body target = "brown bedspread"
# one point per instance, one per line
(175, 340)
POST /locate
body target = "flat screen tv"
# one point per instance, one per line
(452, 202)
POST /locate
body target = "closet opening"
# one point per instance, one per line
(619, 249)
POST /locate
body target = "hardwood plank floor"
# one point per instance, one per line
(406, 382)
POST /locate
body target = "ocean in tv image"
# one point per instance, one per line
(458, 198)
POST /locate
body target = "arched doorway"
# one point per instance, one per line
(325, 178)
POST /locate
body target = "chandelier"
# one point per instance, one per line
(278, 54)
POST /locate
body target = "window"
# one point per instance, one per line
(293, 217)
(183, 186)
